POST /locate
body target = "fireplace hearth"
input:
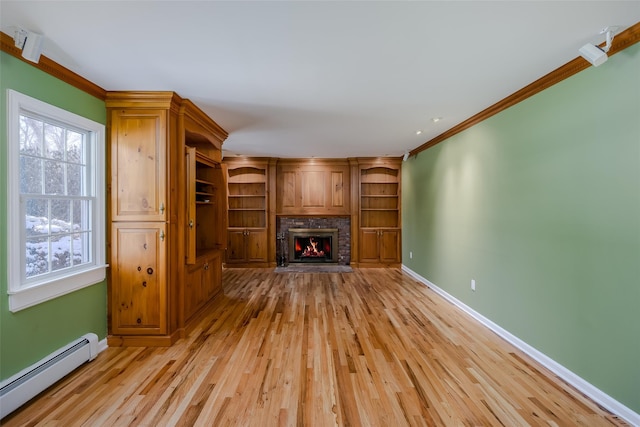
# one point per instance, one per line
(313, 245)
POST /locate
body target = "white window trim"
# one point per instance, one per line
(22, 296)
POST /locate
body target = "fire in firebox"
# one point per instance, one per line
(313, 248)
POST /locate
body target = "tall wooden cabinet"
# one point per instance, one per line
(379, 212)
(250, 213)
(166, 214)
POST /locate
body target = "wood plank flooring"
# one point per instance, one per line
(368, 348)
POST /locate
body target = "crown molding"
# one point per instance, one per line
(51, 67)
(621, 41)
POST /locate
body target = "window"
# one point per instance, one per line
(55, 181)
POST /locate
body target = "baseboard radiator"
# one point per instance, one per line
(28, 383)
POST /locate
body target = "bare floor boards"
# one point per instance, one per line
(368, 348)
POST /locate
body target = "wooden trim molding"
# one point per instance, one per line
(622, 41)
(53, 68)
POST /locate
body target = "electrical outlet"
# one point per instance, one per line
(410, 255)
(473, 284)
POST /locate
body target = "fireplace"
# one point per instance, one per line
(313, 245)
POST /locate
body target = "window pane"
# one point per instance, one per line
(81, 248)
(54, 142)
(60, 216)
(53, 177)
(37, 256)
(60, 252)
(74, 147)
(30, 136)
(30, 175)
(81, 218)
(36, 217)
(75, 175)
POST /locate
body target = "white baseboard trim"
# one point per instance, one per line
(574, 380)
(102, 345)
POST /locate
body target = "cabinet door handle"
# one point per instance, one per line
(162, 235)
(206, 266)
(162, 208)
(190, 223)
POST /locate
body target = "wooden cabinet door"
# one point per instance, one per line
(389, 246)
(190, 243)
(192, 290)
(138, 278)
(138, 165)
(256, 244)
(369, 245)
(202, 282)
(319, 189)
(211, 277)
(236, 250)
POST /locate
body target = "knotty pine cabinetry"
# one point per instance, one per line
(316, 187)
(365, 189)
(166, 211)
(249, 214)
(379, 212)
(202, 282)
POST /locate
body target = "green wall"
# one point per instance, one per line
(30, 334)
(540, 204)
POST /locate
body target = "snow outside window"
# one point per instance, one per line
(56, 201)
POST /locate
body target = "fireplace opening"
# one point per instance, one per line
(313, 244)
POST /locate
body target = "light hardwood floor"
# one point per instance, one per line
(368, 348)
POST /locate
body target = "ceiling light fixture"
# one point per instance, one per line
(598, 55)
(436, 119)
(418, 132)
(30, 43)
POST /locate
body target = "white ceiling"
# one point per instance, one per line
(320, 79)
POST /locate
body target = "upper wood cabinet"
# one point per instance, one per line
(313, 187)
(167, 214)
(138, 157)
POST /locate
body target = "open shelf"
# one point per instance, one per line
(379, 196)
(247, 197)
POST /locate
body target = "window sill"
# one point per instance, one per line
(28, 297)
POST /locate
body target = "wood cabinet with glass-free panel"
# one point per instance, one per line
(138, 277)
(247, 245)
(202, 282)
(138, 142)
(315, 187)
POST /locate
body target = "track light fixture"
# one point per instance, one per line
(598, 55)
(30, 43)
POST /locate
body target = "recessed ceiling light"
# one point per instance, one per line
(436, 119)
(418, 132)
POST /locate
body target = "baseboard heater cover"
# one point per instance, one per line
(29, 382)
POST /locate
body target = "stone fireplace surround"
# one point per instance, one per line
(342, 223)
